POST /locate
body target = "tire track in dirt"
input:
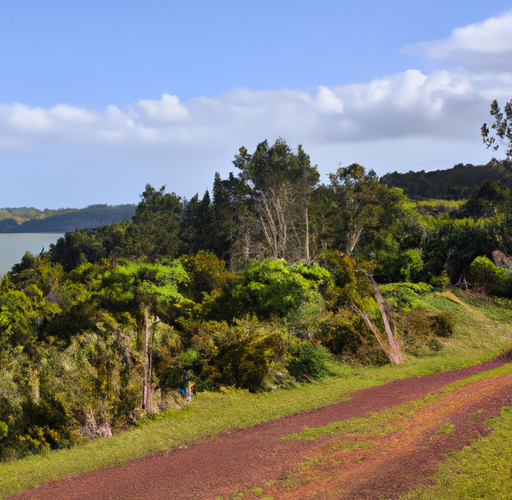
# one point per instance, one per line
(403, 457)
(240, 459)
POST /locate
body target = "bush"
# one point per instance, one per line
(404, 295)
(443, 324)
(494, 280)
(416, 329)
(310, 361)
(249, 354)
(421, 329)
(440, 281)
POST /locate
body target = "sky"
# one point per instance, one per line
(99, 98)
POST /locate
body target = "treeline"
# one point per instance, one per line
(259, 284)
(453, 184)
(31, 220)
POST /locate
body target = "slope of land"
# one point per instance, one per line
(380, 444)
(31, 220)
(451, 184)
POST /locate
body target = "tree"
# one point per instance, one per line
(196, 226)
(456, 243)
(279, 183)
(489, 199)
(361, 213)
(224, 213)
(154, 233)
(356, 290)
(75, 248)
(147, 285)
(502, 128)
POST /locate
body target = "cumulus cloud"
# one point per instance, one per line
(401, 105)
(480, 47)
(167, 109)
(409, 120)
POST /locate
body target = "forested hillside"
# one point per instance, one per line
(259, 284)
(452, 184)
(31, 220)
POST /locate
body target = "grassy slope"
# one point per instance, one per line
(482, 333)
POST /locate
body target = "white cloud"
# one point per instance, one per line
(480, 47)
(409, 120)
(401, 105)
(328, 102)
(168, 109)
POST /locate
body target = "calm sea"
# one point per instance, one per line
(14, 246)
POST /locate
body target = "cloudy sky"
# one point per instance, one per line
(99, 98)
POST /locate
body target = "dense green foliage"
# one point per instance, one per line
(257, 285)
(452, 184)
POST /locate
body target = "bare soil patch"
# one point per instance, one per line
(387, 466)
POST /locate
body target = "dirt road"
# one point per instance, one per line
(257, 461)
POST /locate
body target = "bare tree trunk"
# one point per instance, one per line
(392, 348)
(268, 225)
(307, 234)
(354, 237)
(393, 344)
(371, 325)
(146, 399)
(273, 224)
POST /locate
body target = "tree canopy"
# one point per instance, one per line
(257, 284)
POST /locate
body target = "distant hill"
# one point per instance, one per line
(31, 220)
(453, 184)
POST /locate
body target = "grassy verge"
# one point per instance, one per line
(383, 422)
(481, 334)
(481, 470)
(353, 435)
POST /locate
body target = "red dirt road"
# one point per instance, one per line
(243, 459)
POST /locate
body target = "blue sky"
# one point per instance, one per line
(99, 98)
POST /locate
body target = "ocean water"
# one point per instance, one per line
(13, 246)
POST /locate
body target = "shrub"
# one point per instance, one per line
(248, 354)
(4, 429)
(404, 295)
(494, 280)
(309, 361)
(421, 329)
(443, 324)
(440, 281)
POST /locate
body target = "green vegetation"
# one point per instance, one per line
(452, 184)
(446, 429)
(270, 284)
(211, 413)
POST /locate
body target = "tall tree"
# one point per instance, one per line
(279, 184)
(154, 233)
(196, 226)
(362, 213)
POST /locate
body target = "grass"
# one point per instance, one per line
(385, 422)
(481, 470)
(433, 202)
(483, 331)
(357, 434)
(375, 424)
(446, 429)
